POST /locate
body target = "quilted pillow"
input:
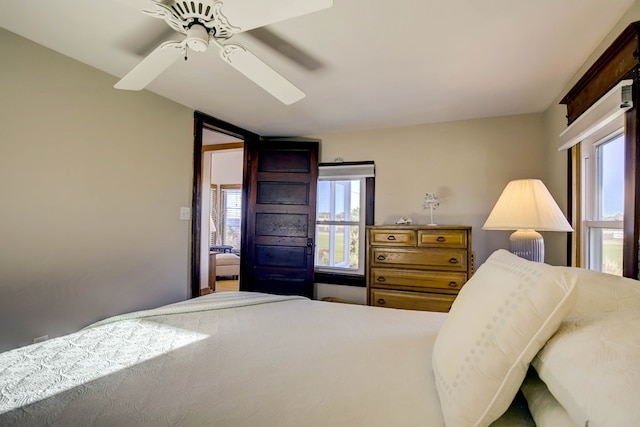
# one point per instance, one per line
(592, 367)
(601, 293)
(503, 315)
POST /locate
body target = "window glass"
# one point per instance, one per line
(213, 212)
(231, 214)
(603, 185)
(605, 250)
(339, 230)
(611, 159)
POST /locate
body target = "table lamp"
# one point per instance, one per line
(526, 206)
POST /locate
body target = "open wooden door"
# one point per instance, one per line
(280, 183)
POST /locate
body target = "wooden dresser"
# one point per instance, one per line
(417, 267)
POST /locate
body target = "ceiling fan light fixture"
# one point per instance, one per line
(197, 38)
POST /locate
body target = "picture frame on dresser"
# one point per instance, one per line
(417, 267)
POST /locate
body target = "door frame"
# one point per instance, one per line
(202, 121)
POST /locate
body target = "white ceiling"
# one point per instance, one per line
(385, 63)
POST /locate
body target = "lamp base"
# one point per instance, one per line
(527, 244)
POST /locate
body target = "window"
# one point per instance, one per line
(597, 143)
(344, 208)
(338, 225)
(231, 197)
(603, 203)
(213, 215)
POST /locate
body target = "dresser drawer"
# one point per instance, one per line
(398, 278)
(411, 300)
(443, 259)
(442, 238)
(392, 237)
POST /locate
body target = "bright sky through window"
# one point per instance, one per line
(324, 199)
(613, 177)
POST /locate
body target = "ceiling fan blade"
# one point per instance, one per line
(248, 14)
(151, 66)
(260, 73)
(285, 48)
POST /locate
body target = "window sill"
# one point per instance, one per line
(340, 279)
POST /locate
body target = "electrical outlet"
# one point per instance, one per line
(185, 214)
(40, 339)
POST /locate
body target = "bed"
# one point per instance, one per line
(501, 357)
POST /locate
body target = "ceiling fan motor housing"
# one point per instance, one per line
(198, 19)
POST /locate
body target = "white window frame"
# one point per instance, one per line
(213, 214)
(344, 266)
(336, 173)
(591, 251)
(225, 190)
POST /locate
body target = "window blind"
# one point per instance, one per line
(346, 170)
(604, 112)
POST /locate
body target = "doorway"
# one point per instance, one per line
(221, 212)
(212, 136)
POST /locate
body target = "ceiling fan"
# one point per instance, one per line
(206, 22)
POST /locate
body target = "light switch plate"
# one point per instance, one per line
(185, 214)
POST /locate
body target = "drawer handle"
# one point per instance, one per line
(441, 239)
(391, 237)
(381, 257)
(453, 261)
(381, 279)
(381, 301)
(453, 284)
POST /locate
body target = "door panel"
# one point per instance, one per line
(283, 193)
(281, 178)
(281, 256)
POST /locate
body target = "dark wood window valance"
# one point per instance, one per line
(620, 61)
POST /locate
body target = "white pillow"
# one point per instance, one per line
(503, 315)
(592, 367)
(544, 407)
(600, 292)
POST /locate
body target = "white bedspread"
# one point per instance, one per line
(215, 361)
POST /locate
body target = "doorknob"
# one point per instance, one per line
(309, 246)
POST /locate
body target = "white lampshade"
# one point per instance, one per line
(527, 206)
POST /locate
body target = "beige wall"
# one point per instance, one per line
(91, 182)
(467, 163)
(555, 122)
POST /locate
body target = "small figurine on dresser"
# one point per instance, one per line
(405, 220)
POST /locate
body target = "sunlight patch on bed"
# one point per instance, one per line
(36, 372)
